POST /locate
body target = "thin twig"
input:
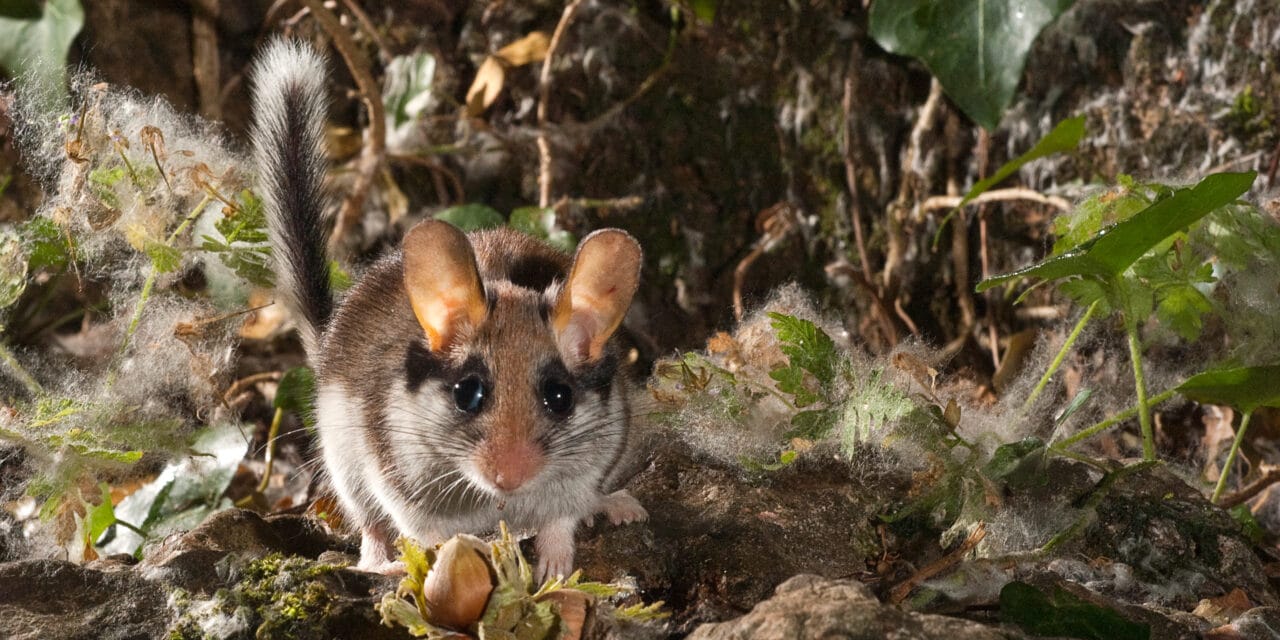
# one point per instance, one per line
(437, 169)
(15, 367)
(1244, 494)
(897, 240)
(999, 195)
(544, 96)
(885, 315)
(623, 203)
(367, 26)
(850, 162)
(240, 385)
(904, 588)
(372, 155)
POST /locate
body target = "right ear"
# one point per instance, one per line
(443, 282)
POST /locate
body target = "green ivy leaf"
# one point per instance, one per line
(99, 518)
(1245, 388)
(472, 217)
(1116, 248)
(1019, 464)
(1064, 614)
(34, 43)
(976, 48)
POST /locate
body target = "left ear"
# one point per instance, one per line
(590, 306)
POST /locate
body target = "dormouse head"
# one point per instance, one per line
(522, 366)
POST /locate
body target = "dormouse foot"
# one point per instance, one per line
(554, 546)
(620, 507)
(377, 553)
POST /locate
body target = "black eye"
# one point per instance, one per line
(468, 394)
(557, 397)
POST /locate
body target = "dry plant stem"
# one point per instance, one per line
(1140, 382)
(1094, 430)
(243, 383)
(595, 124)
(740, 277)
(885, 315)
(903, 590)
(204, 55)
(1269, 478)
(1090, 506)
(270, 457)
(544, 96)
(1231, 457)
(437, 169)
(371, 156)
(33, 387)
(1062, 354)
(624, 203)
(850, 163)
(151, 280)
(897, 239)
(999, 195)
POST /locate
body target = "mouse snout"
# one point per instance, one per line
(509, 464)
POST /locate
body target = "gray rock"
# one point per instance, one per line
(809, 606)
(42, 599)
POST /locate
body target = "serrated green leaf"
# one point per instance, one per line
(813, 424)
(102, 182)
(1099, 211)
(13, 268)
(1116, 248)
(1249, 525)
(1245, 388)
(34, 45)
(1064, 137)
(1086, 291)
(976, 48)
(807, 346)
(164, 258)
(297, 392)
(472, 217)
(1064, 614)
(791, 380)
(1182, 308)
(45, 243)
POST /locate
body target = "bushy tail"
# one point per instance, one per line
(290, 105)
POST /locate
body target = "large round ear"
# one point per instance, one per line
(443, 282)
(590, 306)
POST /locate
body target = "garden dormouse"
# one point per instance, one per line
(464, 379)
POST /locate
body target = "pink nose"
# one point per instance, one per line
(509, 465)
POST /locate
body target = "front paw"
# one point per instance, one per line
(554, 546)
(386, 567)
(622, 508)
